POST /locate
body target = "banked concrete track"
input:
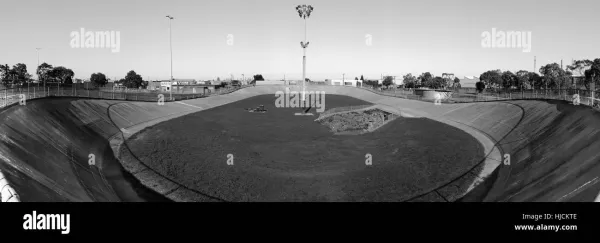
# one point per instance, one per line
(66, 149)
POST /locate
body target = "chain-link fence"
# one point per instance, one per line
(13, 95)
(576, 96)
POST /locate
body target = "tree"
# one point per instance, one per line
(362, 78)
(579, 67)
(98, 79)
(132, 80)
(61, 74)
(509, 79)
(16, 75)
(19, 74)
(438, 83)
(355, 78)
(387, 81)
(456, 83)
(592, 75)
(373, 83)
(410, 81)
(5, 75)
(480, 86)
(491, 78)
(43, 70)
(426, 79)
(258, 77)
(554, 76)
(522, 79)
(534, 80)
(446, 82)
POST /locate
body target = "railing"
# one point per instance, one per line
(586, 97)
(10, 96)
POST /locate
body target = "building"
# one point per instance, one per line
(176, 84)
(154, 85)
(468, 81)
(319, 82)
(166, 85)
(185, 81)
(347, 82)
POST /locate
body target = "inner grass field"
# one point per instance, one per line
(278, 156)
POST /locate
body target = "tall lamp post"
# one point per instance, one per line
(593, 87)
(304, 12)
(171, 49)
(38, 66)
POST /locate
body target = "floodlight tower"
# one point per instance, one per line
(171, 50)
(304, 12)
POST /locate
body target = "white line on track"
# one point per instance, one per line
(458, 107)
(189, 105)
(593, 181)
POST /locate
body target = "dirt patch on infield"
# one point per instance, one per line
(357, 122)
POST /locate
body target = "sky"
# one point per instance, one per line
(220, 38)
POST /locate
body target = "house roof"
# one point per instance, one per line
(468, 81)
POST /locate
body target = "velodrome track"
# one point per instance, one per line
(46, 147)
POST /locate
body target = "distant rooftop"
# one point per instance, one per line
(468, 81)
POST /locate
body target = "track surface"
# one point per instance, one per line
(45, 146)
(282, 157)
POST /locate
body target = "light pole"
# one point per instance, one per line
(38, 66)
(171, 48)
(304, 12)
(593, 87)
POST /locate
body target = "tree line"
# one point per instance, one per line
(583, 72)
(551, 76)
(17, 75)
(427, 80)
